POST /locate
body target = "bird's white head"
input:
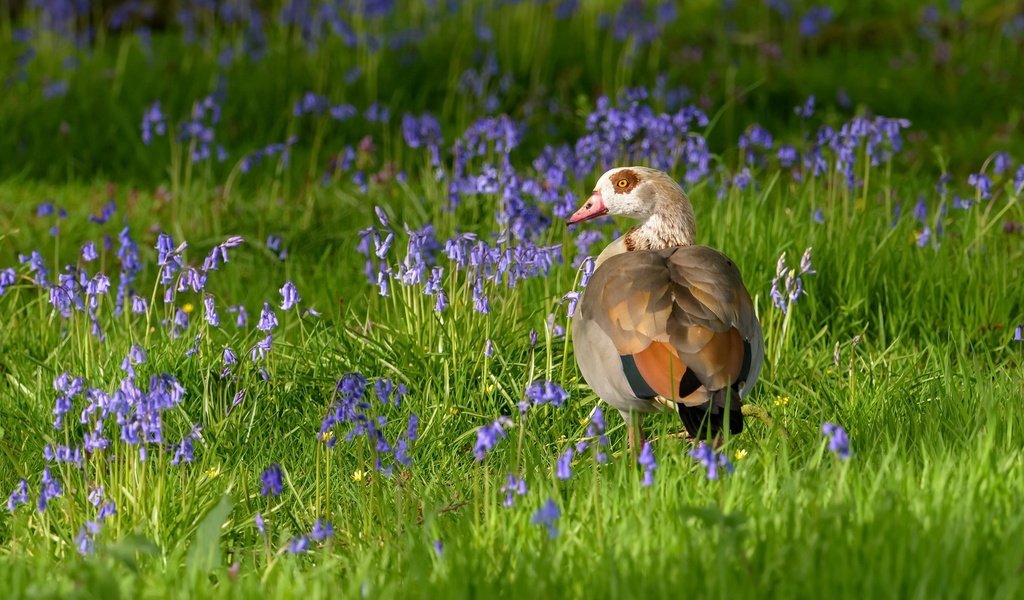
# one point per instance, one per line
(634, 192)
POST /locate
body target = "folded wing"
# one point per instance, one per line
(683, 324)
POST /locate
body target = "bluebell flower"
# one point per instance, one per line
(546, 392)
(48, 490)
(210, 311)
(924, 236)
(488, 436)
(838, 440)
(714, 462)
(982, 183)
(89, 253)
(19, 496)
(139, 305)
(547, 515)
(787, 286)
(107, 510)
(571, 299)
(805, 110)
(299, 545)
(1001, 163)
(184, 452)
(271, 480)
(37, 266)
(7, 279)
(438, 547)
(260, 350)
(85, 540)
(514, 486)
(812, 21)
(290, 296)
(787, 156)
(153, 122)
(742, 179)
(587, 267)
(646, 460)
(261, 525)
(563, 467)
(241, 315)
(268, 320)
(322, 530)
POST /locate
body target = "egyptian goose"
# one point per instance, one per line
(663, 322)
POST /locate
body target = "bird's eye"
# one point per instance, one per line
(622, 183)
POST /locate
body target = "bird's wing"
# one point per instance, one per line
(681, 320)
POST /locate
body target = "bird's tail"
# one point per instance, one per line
(707, 421)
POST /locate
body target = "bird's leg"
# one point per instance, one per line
(635, 433)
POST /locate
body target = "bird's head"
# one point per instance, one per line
(634, 192)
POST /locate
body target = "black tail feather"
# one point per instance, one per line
(708, 420)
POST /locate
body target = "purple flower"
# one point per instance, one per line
(210, 311)
(514, 486)
(89, 253)
(787, 156)
(572, 298)
(18, 496)
(85, 541)
(423, 132)
(814, 19)
(290, 295)
(242, 316)
(547, 515)
(271, 480)
(261, 526)
(805, 110)
(546, 392)
(711, 460)
(488, 348)
(982, 183)
(107, 509)
(646, 460)
(742, 179)
(1018, 334)
(153, 122)
(563, 468)
(49, 489)
(260, 350)
(488, 436)
(1001, 163)
(184, 452)
(7, 279)
(268, 320)
(322, 530)
(838, 440)
(299, 545)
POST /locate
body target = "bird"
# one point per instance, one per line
(664, 322)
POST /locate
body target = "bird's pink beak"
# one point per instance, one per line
(593, 208)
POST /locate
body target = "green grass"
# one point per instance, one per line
(908, 347)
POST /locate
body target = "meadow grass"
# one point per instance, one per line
(904, 336)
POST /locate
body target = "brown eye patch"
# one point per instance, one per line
(624, 181)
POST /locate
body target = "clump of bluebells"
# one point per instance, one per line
(352, 410)
(838, 440)
(714, 462)
(788, 285)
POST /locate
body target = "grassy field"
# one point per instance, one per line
(304, 400)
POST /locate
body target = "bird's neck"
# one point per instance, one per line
(672, 226)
